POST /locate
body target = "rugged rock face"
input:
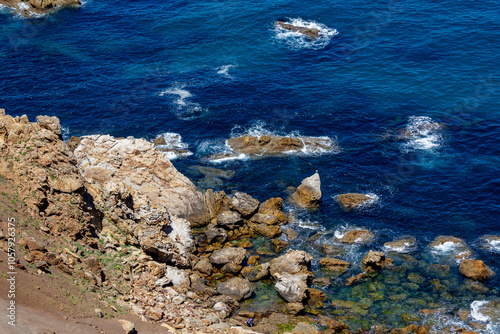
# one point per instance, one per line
(30, 8)
(311, 33)
(144, 198)
(308, 193)
(273, 145)
(36, 158)
(475, 269)
(353, 200)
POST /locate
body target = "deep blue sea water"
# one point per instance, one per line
(209, 70)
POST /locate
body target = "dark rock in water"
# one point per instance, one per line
(476, 270)
(256, 273)
(216, 235)
(211, 171)
(231, 268)
(311, 33)
(236, 288)
(160, 140)
(279, 244)
(335, 265)
(291, 234)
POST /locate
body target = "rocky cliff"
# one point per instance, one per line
(31, 8)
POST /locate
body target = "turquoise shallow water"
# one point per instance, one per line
(209, 70)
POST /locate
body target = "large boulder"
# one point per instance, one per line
(270, 231)
(271, 212)
(475, 269)
(308, 193)
(228, 254)
(236, 288)
(291, 287)
(215, 234)
(292, 262)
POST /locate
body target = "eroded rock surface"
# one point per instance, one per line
(30, 8)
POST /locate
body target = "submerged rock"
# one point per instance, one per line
(454, 247)
(256, 273)
(476, 270)
(311, 33)
(236, 288)
(351, 201)
(402, 245)
(308, 193)
(335, 265)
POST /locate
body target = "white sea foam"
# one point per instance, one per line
(186, 109)
(308, 224)
(400, 249)
(422, 133)
(23, 6)
(296, 40)
(445, 247)
(173, 143)
(224, 71)
(65, 132)
(476, 311)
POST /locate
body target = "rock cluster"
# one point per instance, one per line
(31, 8)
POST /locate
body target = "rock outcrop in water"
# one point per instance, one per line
(353, 200)
(308, 194)
(311, 33)
(30, 8)
(476, 270)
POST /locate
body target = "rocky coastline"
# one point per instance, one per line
(34, 8)
(117, 216)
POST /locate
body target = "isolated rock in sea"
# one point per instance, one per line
(475, 269)
(274, 145)
(31, 8)
(236, 288)
(351, 201)
(291, 287)
(308, 193)
(359, 236)
(453, 247)
(292, 262)
(228, 254)
(335, 265)
(491, 242)
(309, 32)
